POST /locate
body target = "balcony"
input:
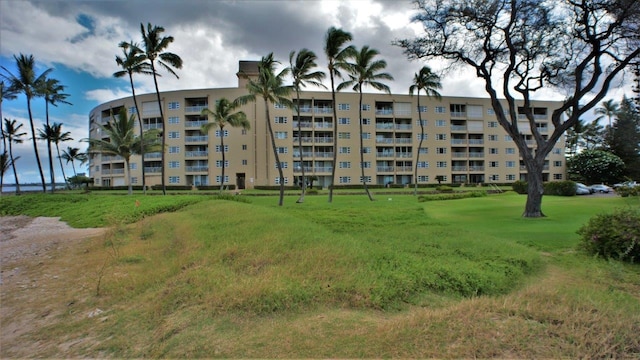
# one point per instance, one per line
(154, 169)
(195, 124)
(195, 109)
(404, 168)
(384, 168)
(458, 127)
(112, 158)
(403, 140)
(459, 114)
(458, 141)
(153, 155)
(305, 110)
(476, 168)
(322, 110)
(459, 168)
(193, 154)
(385, 154)
(381, 140)
(200, 168)
(404, 155)
(323, 125)
(117, 171)
(151, 126)
(304, 139)
(302, 124)
(384, 126)
(199, 138)
(323, 140)
(384, 111)
(459, 155)
(476, 141)
(306, 154)
(476, 154)
(403, 127)
(325, 154)
(322, 169)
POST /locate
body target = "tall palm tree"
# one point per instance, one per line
(26, 82)
(609, 109)
(134, 61)
(222, 115)
(13, 135)
(301, 70)
(5, 163)
(122, 140)
(336, 56)
(58, 137)
(366, 71)
(425, 80)
(73, 154)
(270, 86)
(6, 93)
(154, 50)
(51, 91)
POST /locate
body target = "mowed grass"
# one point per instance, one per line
(390, 278)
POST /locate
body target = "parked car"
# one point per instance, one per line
(626, 184)
(601, 188)
(582, 189)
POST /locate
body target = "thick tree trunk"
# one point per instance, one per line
(35, 146)
(535, 190)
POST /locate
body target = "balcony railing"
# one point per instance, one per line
(152, 169)
(112, 158)
(199, 138)
(404, 168)
(197, 168)
(305, 109)
(384, 140)
(384, 111)
(322, 169)
(383, 154)
(476, 168)
(458, 127)
(458, 141)
(403, 127)
(306, 154)
(476, 141)
(459, 168)
(384, 168)
(459, 114)
(384, 126)
(476, 154)
(403, 140)
(323, 125)
(459, 155)
(405, 155)
(303, 124)
(305, 139)
(322, 110)
(153, 155)
(192, 154)
(195, 124)
(195, 109)
(323, 140)
(151, 126)
(325, 154)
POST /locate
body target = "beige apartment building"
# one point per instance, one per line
(463, 142)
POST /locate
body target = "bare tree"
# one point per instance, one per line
(518, 47)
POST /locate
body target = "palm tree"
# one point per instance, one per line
(133, 61)
(336, 55)
(5, 162)
(51, 90)
(365, 71)
(122, 140)
(269, 86)
(6, 93)
(72, 155)
(300, 69)
(58, 137)
(221, 116)
(154, 50)
(26, 82)
(609, 109)
(13, 135)
(425, 80)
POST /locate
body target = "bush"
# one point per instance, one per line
(452, 196)
(444, 189)
(626, 191)
(615, 235)
(560, 188)
(520, 187)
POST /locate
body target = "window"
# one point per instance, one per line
(132, 110)
(134, 180)
(510, 151)
(493, 164)
(424, 150)
(345, 165)
(366, 121)
(366, 164)
(226, 148)
(344, 135)
(366, 135)
(344, 121)
(442, 178)
(440, 110)
(133, 166)
(344, 107)
(219, 163)
(508, 138)
(423, 136)
(279, 106)
(174, 149)
(174, 105)
(490, 111)
(283, 165)
(366, 150)
(225, 132)
(226, 179)
(423, 164)
(366, 179)
(494, 177)
(244, 162)
(441, 164)
(422, 109)
(345, 150)
(423, 178)
(492, 137)
(424, 122)
(283, 150)
(174, 179)
(493, 151)
(174, 120)
(366, 107)
(510, 164)
(174, 135)
(281, 134)
(174, 164)
(557, 151)
(344, 180)
(441, 136)
(492, 124)
(244, 146)
(441, 123)
(557, 163)
(557, 176)
(441, 150)
(286, 180)
(511, 177)
(280, 119)
(244, 132)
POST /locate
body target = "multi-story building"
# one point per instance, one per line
(463, 142)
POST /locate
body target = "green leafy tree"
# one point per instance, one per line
(122, 141)
(270, 87)
(337, 55)
(365, 70)
(221, 116)
(26, 82)
(574, 137)
(428, 82)
(134, 61)
(593, 136)
(154, 45)
(518, 48)
(301, 66)
(625, 139)
(596, 166)
(12, 133)
(73, 154)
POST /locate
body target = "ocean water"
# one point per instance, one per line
(27, 188)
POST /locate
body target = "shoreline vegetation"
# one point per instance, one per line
(238, 276)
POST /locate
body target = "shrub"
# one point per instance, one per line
(445, 189)
(519, 186)
(560, 188)
(452, 196)
(615, 235)
(626, 191)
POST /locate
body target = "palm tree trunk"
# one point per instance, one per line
(275, 153)
(223, 158)
(335, 137)
(364, 180)
(64, 176)
(135, 103)
(35, 145)
(304, 181)
(51, 173)
(164, 131)
(13, 166)
(127, 171)
(415, 176)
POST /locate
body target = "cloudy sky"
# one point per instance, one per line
(79, 40)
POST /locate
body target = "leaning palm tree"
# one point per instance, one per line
(270, 86)
(133, 61)
(365, 71)
(122, 140)
(425, 80)
(154, 50)
(73, 154)
(222, 115)
(58, 137)
(336, 55)
(301, 71)
(12, 133)
(51, 91)
(5, 163)
(26, 82)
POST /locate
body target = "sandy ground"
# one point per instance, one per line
(27, 245)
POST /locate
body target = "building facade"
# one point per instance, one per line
(463, 141)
